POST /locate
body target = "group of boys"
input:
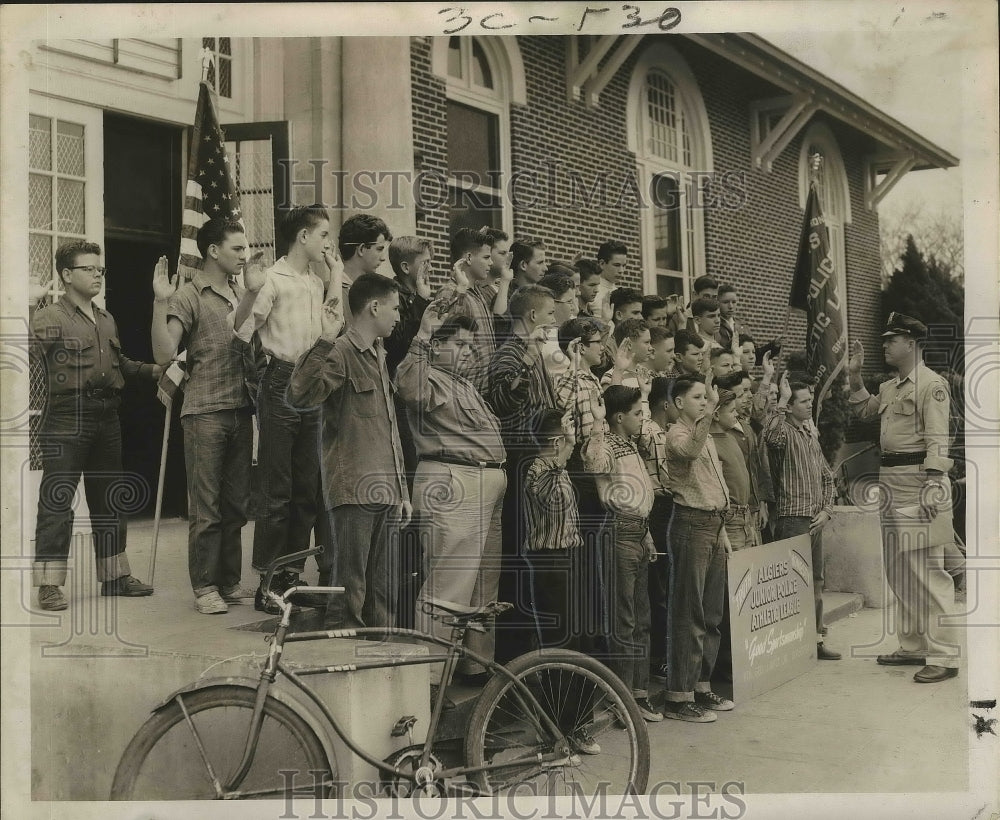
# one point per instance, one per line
(591, 453)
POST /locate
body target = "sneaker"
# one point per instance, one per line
(583, 741)
(236, 594)
(659, 673)
(126, 586)
(211, 603)
(710, 700)
(51, 598)
(686, 710)
(648, 711)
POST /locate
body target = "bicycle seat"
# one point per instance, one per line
(462, 612)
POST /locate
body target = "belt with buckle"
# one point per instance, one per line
(464, 462)
(101, 393)
(903, 459)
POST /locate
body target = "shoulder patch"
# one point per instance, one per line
(939, 393)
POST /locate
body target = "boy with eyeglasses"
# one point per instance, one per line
(74, 347)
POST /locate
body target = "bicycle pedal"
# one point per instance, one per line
(403, 726)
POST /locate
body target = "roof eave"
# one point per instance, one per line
(756, 54)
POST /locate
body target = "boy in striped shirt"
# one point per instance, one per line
(804, 483)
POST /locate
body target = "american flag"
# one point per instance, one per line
(210, 191)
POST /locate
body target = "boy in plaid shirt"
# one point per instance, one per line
(578, 393)
(627, 493)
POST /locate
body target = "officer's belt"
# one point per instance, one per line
(903, 459)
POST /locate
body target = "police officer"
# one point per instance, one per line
(916, 505)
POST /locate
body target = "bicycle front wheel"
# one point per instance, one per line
(601, 745)
(178, 757)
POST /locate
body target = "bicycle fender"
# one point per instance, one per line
(285, 695)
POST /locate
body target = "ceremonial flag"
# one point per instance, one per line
(210, 191)
(172, 380)
(814, 290)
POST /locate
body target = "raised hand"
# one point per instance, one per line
(423, 284)
(597, 408)
(164, 285)
(857, 359)
(645, 379)
(507, 273)
(768, 365)
(711, 394)
(332, 318)
(459, 274)
(624, 356)
(429, 322)
(784, 389)
(574, 350)
(254, 274)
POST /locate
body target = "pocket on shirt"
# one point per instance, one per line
(905, 407)
(116, 352)
(364, 397)
(77, 353)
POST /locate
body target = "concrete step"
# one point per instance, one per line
(837, 605)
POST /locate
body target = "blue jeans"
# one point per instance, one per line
(697, 596)
(630, 587)
(87, 442)
(659, 580)
(789, 526)
(217, 452)
(288, 460)
(366, 565)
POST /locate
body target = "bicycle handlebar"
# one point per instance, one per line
(284, 561)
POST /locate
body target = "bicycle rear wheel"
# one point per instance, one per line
(171, 759)
(603, 744)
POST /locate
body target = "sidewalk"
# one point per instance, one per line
(847, 726)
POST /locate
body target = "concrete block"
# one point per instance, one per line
(82, 712)
(852, 548)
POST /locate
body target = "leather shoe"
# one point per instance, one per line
(126, 586)
(935, 674)
(895, 659)
(824, 654)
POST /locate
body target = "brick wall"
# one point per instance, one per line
(430, 146)
(753, 247)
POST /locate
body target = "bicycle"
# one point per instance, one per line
(557, 720)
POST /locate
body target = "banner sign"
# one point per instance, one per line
(772, 615)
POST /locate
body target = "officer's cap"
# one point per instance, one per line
(899, 324)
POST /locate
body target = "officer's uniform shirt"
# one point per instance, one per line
(914, 415)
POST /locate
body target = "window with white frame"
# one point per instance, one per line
(833, 192)
(669, 134)
(57, 193)
(478, 136)
(220, 72)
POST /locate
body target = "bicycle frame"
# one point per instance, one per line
(423, 773)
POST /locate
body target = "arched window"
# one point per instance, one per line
(483, 77)
(670, 136)
(834, 196)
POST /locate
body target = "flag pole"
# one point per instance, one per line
(159, 487)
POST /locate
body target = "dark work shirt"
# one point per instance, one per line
(411, 312)
(362, 456)
(74, 353)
